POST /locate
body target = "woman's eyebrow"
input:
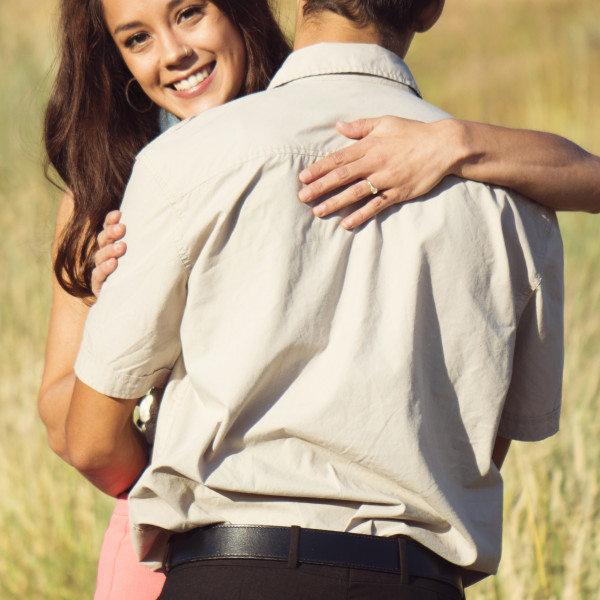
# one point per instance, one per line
(174, 3)
(127, 27)
(135, 24)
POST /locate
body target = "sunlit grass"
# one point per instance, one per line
(530, 63)
(51, 520)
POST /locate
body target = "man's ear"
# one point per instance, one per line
(428, 18)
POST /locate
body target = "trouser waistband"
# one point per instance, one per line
(398, 554)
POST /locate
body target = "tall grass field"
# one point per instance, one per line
(525, 63)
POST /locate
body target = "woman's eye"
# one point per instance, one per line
(189, 13)
(136, 40)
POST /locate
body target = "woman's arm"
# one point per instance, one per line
(542, 166)
(405, 159)
(55, 405)
(67, 320)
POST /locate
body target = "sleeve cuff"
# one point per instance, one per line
(117, 384)
(529, 429)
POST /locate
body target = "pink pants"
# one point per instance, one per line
(120, 575)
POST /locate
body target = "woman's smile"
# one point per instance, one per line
(190, 83)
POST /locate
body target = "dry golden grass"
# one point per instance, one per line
(529, 63)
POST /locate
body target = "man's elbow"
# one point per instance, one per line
(87, 457)
(99, 470)
(96, 462)
(113, 467)
(102, 441)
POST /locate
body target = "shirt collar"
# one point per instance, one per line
(335, 58)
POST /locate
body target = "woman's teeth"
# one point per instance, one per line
(192, 80)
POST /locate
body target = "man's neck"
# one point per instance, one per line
(329, 27)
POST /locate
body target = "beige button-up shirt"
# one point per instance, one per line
(351, 381)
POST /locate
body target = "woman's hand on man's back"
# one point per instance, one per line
(111, 248)
(394, 161)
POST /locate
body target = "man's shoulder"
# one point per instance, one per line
(216, 139)
(475, 200)
(220, 124)
(478, 217)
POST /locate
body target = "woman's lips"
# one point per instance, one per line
(196, 83)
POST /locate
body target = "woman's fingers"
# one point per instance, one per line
(333, 180)
(114, 216)
(342, 167)
(100, 273)
(368, 211)
(111, 234)
(109, 251)
(342, 157)
(106, 260)
(359, 128)
(333, 171)
(112, 230)
(354, 193)
(111, 248)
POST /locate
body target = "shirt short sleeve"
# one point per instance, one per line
(532, 408)
(131, 338)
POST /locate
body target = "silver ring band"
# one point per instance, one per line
(374, 190)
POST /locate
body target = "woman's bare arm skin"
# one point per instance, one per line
(405, 159)
(67, 319)
(542, 166)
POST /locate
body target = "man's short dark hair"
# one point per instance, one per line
(393, 18)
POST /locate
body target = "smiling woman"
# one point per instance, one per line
(93, 131)
(187, 56)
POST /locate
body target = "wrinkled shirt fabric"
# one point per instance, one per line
(343, 380)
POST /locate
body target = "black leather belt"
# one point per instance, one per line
(298, 545)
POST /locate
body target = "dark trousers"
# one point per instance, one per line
(244, 579)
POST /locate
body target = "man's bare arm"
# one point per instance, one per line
(500, 451)
(102, 441)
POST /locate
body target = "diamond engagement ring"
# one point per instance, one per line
(374, 190)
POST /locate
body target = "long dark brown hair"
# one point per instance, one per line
(91, 132)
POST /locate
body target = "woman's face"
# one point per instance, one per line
(185, 54)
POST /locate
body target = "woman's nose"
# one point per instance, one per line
(174, 51)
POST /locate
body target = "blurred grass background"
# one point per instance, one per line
(524, 63)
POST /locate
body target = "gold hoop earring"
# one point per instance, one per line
(127, 94)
